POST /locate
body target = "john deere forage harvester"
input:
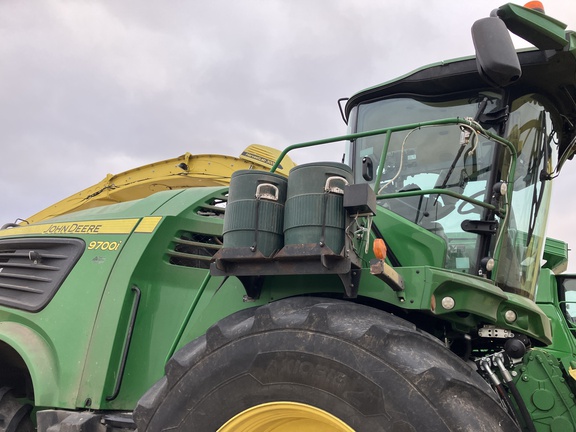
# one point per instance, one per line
(409, 288)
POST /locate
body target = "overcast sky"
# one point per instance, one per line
(95, 87)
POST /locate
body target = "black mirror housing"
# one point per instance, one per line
(496, 57)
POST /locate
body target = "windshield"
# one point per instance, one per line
(530, 130)
(453, 159)
(441, 156)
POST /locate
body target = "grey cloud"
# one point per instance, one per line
(94, 87)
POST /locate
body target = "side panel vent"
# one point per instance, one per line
(32, 270)
(214, 207)
(191, 249)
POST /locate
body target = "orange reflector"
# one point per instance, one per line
(379, 248)
(535, 5)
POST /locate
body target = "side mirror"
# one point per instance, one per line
(496, 57)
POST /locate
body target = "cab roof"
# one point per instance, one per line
(549, 70)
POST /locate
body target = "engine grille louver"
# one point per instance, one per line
(191, 249)
(32, 270)
(214, 207)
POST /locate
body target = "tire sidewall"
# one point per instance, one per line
(372, 370)
(322, 371)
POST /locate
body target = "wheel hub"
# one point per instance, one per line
(285, 417)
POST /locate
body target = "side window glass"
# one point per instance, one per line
(567, 296)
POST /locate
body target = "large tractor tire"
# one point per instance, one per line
(14, 415)
(310, 364)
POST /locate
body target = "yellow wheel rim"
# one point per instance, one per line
(285, 417)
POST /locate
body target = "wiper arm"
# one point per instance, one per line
(464, 141)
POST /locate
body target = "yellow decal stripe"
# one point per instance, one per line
(148, 224)
(118, 226)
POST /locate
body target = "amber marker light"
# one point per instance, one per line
(379, 248)
(535, 5)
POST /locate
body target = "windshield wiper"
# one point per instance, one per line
(539, 157)
(464, 141)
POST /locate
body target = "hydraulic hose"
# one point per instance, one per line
(504, 396)
(507, 378)
(521, 406)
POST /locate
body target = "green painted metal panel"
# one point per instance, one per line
(40, 359)
(410, 243)
(65, 324)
